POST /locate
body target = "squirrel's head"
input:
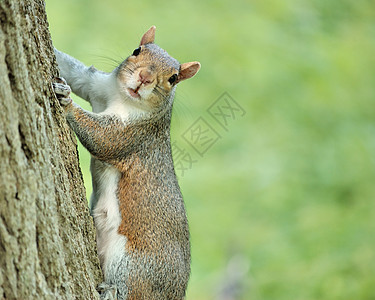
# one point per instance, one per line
(149, 76)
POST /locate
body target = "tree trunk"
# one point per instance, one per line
(47, 237)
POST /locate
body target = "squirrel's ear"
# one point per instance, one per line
(188, 70)
(148, 37)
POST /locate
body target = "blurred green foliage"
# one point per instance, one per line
(290, 186)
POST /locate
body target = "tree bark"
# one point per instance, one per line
(47, 237)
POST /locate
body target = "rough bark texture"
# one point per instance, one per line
(47, 239)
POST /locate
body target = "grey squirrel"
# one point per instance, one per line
(138, 210)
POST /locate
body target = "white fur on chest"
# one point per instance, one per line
(106, 98)
(107, 217)
(117, 106)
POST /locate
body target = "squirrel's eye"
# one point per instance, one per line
(172, 79)
(136, 51)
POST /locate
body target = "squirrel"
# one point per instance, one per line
(137, 206)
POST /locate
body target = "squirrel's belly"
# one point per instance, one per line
(107, 218)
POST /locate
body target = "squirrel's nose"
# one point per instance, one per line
(145, 77)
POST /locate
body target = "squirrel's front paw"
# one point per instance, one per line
(62, 91)
(107, 292)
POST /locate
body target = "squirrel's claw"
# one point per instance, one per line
(107, 292)
(62, 91)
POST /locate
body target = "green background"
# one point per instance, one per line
(282, 205)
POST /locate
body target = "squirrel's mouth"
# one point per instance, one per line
(134, 93)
